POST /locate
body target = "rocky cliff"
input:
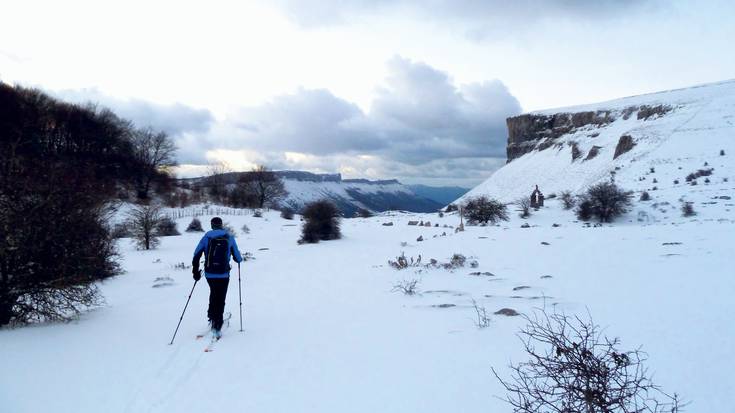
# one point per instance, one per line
(540, 130)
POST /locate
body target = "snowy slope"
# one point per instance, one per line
(699, 125)
(350, 195)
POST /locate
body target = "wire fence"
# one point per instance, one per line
(176, 213)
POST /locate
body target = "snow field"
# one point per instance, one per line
(324, 332)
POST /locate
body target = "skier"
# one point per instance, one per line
(217, 246)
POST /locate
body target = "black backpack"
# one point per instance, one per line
(218, 255)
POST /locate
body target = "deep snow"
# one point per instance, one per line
(324, 332)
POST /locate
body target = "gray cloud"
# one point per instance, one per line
(175, 119)
(420, 122)
(481, 14)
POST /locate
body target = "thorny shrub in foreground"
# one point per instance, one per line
(573, 367)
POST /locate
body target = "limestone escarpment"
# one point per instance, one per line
(539, 131)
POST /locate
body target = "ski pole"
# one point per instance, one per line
(239, 289)
(182, 313)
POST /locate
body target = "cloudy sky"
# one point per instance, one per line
(407, 89)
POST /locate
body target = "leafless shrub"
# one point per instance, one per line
(322, 222)
(451, 208)
(483, 318)
(245, 229)
(605, 201)
(407, 287)
(483, 210)
(195, 226)
(524, 207)
(645, 196)
(287, 213)
(567, 199)
(401, 262)
(167, 227)
(687, 209)
(573, 367)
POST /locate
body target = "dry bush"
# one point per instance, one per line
(604, 201)
(483, 210)
(687, 209)
(407, 287)
(321, 222)
(195, 226)
(167, 227)
(567, 199)
(287, 213)
(524, 207)
(573, 367)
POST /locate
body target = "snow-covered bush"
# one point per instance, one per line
(167, 227)
(143, 221)
(258, 213)
(573, 367)
(567, 199)
(321, 222)
(604, 201)
(195, 226)
(483, 210)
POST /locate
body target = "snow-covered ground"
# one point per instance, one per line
(324, 332)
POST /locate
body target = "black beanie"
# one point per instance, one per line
(216, 223)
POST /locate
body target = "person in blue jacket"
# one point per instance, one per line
(217, 246)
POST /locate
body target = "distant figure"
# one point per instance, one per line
(537, 198)
(217, 246)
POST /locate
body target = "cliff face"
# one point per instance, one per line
(531, 131)
(539, 131)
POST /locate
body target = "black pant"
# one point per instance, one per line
(217, 295)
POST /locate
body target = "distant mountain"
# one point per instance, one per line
(441, 194)
(348, 194)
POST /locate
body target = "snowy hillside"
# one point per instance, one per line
(351, 194)
(674, 133)
(348, 194)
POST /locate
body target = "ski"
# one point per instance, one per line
(225, 323)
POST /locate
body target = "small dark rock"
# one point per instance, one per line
(522, 287)
(544, 243)
(387, 224)
(546, 276)
(507, 312)
(525, 225)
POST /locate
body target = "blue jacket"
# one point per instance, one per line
(204, 243)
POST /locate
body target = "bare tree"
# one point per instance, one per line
(144, 221)
(155, 152)
(574, 368)
(266, 187)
